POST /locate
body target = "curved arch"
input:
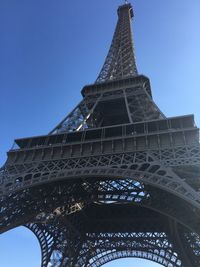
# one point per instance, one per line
(160, 252)
(97, 190)
(45, 240)
(152, 174)
(153, 257)
(30, 198)
(143, 166)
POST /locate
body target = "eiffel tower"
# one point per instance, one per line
(116, 178)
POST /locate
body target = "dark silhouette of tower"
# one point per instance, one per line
(114, 179)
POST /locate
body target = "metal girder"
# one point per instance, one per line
(114, 179)
(108, 225)
(134, 99)
(120, 61)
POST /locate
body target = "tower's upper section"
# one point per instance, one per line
(120, 61)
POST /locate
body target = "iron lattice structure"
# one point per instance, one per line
(114, 179)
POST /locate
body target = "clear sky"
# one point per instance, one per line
(50, 49)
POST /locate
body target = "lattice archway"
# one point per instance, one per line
(149, 256)
(110, 191)
(45, 204)
(107, 186)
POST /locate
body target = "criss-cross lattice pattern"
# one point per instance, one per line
(141, 166)
(129, 187)
(79, 118)
(136, 101)
(156, 245)
(64, 217)
(120, 61)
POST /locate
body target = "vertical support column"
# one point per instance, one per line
(127, 107)
(181, 245)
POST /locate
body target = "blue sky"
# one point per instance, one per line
(50, 49)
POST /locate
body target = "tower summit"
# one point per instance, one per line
(120, 61)
(113, 179)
